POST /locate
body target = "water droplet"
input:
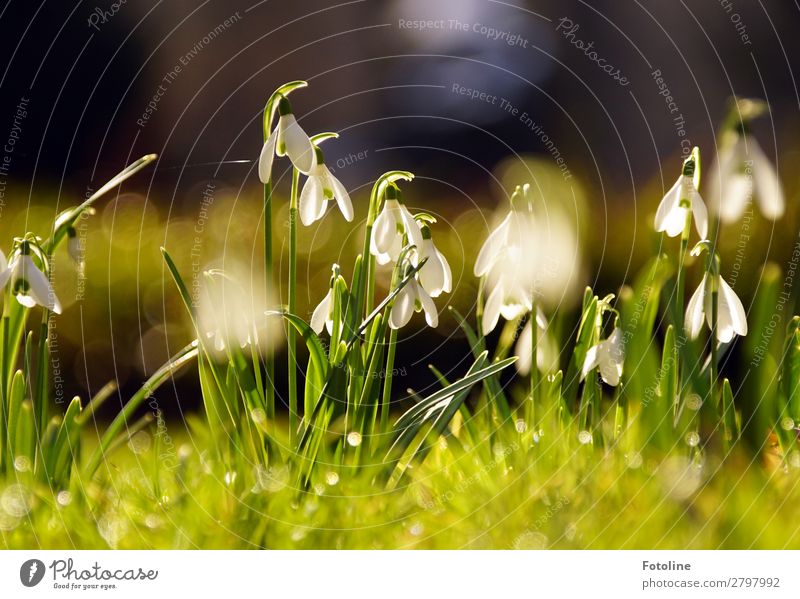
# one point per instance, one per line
(520, 426)
(184, 451)
(259, 417)
(787, 424)
(692, 439)
(271, 479)
(152, 521)
(332, 478)
(354, 439)
(140, 442)
(64, 498)
(584, 437)
(694, 402)
(230, 478)
(634, 460)
(416, 529)
(298, 534)
(531, 540)
(7, 521)
(17, 501)
(112, 529)
(22, 463)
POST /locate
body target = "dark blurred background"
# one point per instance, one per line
(103, 83)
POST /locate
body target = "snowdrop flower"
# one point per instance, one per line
(741, 169)
(681, 200)
(29, 284)
(509, 264)
(546, 351)
(323, 314)
(607, 356)
(287, 139)
(390, 227)
(321, 187)
(435, 275)
(412, 298)
(731, 317)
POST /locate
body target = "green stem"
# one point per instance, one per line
(533, 399)
(269, 359)
(387, 382)
(291, 335)
(712, 367)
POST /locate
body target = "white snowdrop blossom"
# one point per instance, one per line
(673, 210)
(731, 317)
(741, 171)
(323, 314)
(435, 275)
(546, 350)
(287, 139)
(608, 357)
(391, 226)
(29, 284)
(321, 187)
(413, 298)
(506, 261)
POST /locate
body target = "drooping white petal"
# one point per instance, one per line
(266, 157)
(490, 248)
(693, 321)
(720, 177)
(312, 200)
(731, 317)
(546, 351)
(5, 271)
(431, 275)
(516, 300)
(738, 193)
(611, 358)
(295, 143)
(670, 216)
(39, 288)
(411, 227)
(403, 306)
(590, 361)
(769, 191)
(447, 287)
(322, 313)
(523, 349)
(384, 229)
(491, 311)
(428, 306)
(699, 214)
(342, 197)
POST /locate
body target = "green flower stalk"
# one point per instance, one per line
(277, 102)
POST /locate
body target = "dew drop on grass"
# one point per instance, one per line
(416, 529)
(64, 498)
(634, 460)
(140, 442)
(7, 521)
(584, 437)
(787, 424)
(692, 439)
(694, 402)
(22, 463)
(230, 478)
(259, 417)
(271, 479)
(531, 540)
(17, 501)
(299, 533)
(520, 425)
(332, 478)
(354, 439)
